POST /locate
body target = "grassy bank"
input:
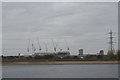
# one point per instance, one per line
(59, 62)
(53, 59)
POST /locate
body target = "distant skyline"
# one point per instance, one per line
(82, 25)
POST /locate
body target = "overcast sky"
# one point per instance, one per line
(82, 25)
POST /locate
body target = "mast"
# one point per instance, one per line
(57, 45)
(67, 45)
(33, 48)
(46, 47)
(28, 50)
(54, 45)
(39, 45)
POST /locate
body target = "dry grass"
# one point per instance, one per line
(60, 62)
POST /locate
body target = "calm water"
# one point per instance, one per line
(61, 71)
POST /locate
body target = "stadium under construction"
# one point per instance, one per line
(56, 49)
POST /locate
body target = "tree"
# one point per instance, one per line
(99, 56)
(111, 55)
(51, 56)
(38, 57)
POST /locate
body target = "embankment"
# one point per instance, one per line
(60, 62)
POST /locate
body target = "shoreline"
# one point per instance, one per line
(60, 63)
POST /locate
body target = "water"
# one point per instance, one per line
(61, 71)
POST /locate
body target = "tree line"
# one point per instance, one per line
(54, 57)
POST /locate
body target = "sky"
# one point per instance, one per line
(0, 29)
(83, 25)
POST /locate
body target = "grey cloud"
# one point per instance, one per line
(81, 24)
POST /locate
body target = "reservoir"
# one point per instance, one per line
(61, 71)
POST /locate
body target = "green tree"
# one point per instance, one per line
(51, 56)
(111, 55)
(38, 57)
(99, 56)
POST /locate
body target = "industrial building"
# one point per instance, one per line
(81, 52)
(42, 53)
(62, 54)
(101, 52)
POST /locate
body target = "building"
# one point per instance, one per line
(80, 52)
(101, 52)
(63, 54)
(59, 54)
(43, 53)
